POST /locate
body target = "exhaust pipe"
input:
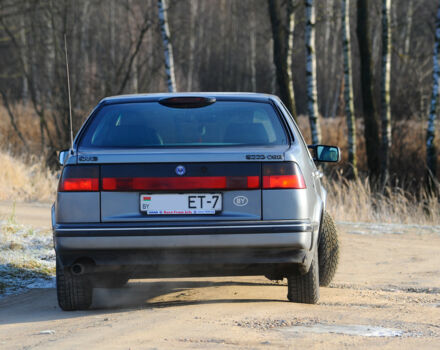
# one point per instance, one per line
(77, 269)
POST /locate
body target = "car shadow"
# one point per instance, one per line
(143, 294)
(40, 305)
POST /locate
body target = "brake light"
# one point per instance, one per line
(187, 101)
(80, 178)
(282, 175)
(180, 183)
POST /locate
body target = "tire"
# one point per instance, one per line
(328, 250)
(73, 292)
(304, 288)
(106, 281)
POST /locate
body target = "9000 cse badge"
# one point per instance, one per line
(262, 157)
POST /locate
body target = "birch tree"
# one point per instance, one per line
(348, 90)
(312, 99)
(282, 34)
(431, 153)
(385, 91)
(168, 48)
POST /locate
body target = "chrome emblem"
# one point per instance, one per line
(240, 201)
(180, 170)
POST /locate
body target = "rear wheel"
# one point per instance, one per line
(328, 250)
(73, 292)
(304, 288)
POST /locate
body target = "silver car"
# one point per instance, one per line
(179, 185)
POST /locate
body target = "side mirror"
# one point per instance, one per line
(62, 156)
(323, 153)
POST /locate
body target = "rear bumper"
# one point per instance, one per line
(255, 234)
(188, 249)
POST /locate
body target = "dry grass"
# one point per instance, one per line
(408, 153)
(26, 181)
(353, 200)
(28, 124)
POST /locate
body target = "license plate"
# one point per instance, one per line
(181, 204)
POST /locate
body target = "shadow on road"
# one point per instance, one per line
(148, 294)
(40, 305)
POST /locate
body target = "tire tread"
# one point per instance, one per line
(328, 251)
(73, 292)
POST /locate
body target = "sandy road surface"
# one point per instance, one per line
(388, 284)
(33, 214)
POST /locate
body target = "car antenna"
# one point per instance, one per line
(68, 92)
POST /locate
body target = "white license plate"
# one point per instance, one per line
(181, 204)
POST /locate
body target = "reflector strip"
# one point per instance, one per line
(284, 181)
(79, 184)
(180, 183)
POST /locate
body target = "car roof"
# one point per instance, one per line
(219, 96)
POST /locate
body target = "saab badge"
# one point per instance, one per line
(180, 170)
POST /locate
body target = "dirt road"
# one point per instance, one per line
(386, 295)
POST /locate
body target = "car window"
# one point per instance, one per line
(150, 124)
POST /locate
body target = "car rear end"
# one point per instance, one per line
(179, 185)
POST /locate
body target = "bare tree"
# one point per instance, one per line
(348, 88)
(282, 34)
(168, 48)
(312, 96)
(369, 114)
(253, 54)
(431, 152)
(385, 92)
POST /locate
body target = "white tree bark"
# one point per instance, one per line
(168, 49)
(312, 100)
(431, 154)
(348, 87)
(289, 45)
(385, 91)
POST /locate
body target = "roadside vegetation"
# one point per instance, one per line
(26, 180)
(27, 258)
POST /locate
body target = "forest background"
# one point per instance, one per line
(361, 74)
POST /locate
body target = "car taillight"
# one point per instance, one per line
(79, 178)
(180, 183)
(282, 175)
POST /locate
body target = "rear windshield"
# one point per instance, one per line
(150, 124)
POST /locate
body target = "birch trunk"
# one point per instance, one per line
(348, 90)
(335, 73)
(328, 41)
(312, 100)
(168, 49)
(431, 152)
(385, 91)
(289, 50)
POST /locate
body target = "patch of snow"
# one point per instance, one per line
(355, 330)
(27, 258)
